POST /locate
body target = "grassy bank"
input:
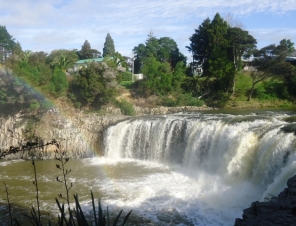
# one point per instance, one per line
(268, 93)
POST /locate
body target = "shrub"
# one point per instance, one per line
(34, 105)
(126, 107)
(126, 76)
(58, 83)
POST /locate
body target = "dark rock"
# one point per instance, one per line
(280, 210)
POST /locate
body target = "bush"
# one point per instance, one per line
(126, 76)
(126, 107)
(58, 83)
(127, 84)
(261, 93)
(34, 105)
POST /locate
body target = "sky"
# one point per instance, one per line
(46, 25)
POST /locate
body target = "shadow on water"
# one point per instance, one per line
(18, 213)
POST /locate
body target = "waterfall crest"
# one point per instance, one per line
(236, 147)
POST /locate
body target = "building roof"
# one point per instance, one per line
(89, 60)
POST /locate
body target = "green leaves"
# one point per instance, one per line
(59, 83)
(96, 83)
(7, 44)
(163, 50)
(219, 48)
(109, 48)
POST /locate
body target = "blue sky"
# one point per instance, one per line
(66, 24)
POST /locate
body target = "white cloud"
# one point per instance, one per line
(272, 36)
(53, 24)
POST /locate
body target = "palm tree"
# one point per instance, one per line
(62, 62)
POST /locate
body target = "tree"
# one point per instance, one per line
(179, 74)
(216, 63)
(218, 48)
(96, 83)
(168, 51)
(271, 61)
(290, 80)
(85, 52)
(109, 48)
(17, 50)
(163, 49)
(71, 55)
(7, 43)
(199, 44)
(62, 63)
(158, 76)
(241, 44)
(140, 55)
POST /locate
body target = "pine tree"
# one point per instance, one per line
(6, 44)
(85, 52)
(109, 48)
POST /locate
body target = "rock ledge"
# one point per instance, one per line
(280, 210)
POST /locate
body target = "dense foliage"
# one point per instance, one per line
(87, 52)
(96, 83)
(164, 49)
(109, 48)
(217, 47)
(7, 44)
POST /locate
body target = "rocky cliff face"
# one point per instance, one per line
(280, 210)
(79, 133)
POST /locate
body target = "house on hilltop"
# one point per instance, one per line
(83, 63)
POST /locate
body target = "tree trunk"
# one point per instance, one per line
(251, 92)
(233, 85)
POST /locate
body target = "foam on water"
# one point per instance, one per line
(185, 169)
(218, 164)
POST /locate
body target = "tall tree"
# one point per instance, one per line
(7, 44)
(241, 44)
(218, 48)
(17, 50)
(168, 51)
(85, 52)
(209, 46)
(199, 44)
(109, 48)
(163, 49)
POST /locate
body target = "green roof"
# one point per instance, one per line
(89, 60)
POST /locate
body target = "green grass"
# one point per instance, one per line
(268, 93)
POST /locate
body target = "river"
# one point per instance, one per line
(181, 169)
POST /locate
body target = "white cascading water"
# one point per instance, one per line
(228, 161)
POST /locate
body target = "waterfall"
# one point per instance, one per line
(254, 147)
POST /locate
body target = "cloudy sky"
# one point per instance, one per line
(45, 25)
